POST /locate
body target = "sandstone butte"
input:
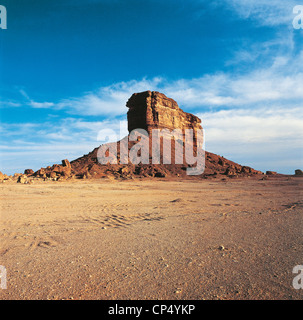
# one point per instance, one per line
(147, 110)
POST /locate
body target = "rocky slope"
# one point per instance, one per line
(147, 110)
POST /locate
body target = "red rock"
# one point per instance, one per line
(22, 179)
(66, 163)
(153, 110)
(246, 170)
(28, 171)
(53, 175)
(271, 173)
(230, 172)
(148, 110)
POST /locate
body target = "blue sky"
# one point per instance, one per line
(68, 67)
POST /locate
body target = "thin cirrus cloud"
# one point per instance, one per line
(41, 105)
(35, 104)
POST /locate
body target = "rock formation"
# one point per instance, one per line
(153, 110)
(298, 172)
(271, 173)
(55, 172)
(29, 171)
(66, 163)
(146, 110)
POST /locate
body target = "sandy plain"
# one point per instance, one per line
(152, 239)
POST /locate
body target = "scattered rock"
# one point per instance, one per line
(230, 172)
(22, 179)
(40, 173)
(29, 171)
(52, 175)
(270, 173)
(221, 162)
(160, 175)
(125, 172)
(246, 170)
(66, 163)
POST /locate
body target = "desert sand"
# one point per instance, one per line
(152, 239)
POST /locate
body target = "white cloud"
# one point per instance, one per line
(262, 125)
(275, 52)
(265, 138)
(34, 104)
(41, 105)
(22, 156)
(34, 145)
(281, 81)
(218, 90)
(273, 13)
(252, 118)
(109, 100)
(9, 104)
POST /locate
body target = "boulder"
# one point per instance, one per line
(61, 170)
(56, 168)
(40, 173)
(66, 171)
(221, 162)
(53, 175)
(22, 179)
(298, 172)
(160, 175)
(230, 171)
(270, 173)
(125, 171)
(246, 170)
(29, 171)
(66, 163)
